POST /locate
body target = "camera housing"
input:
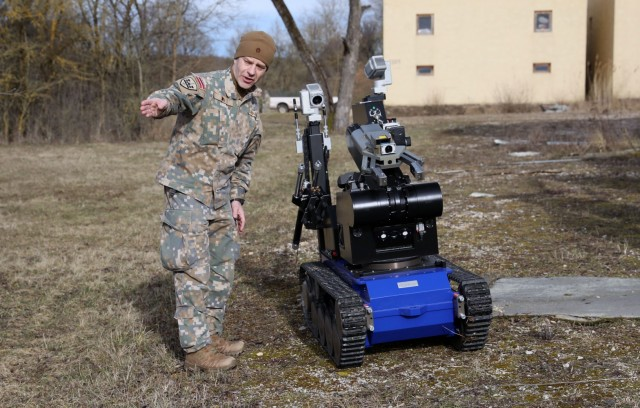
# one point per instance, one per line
(378, 70)
(312, 99)
(375, 67)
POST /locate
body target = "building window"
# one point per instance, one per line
(542, 67)
(425, 24)
(424, 69)
(542, 21)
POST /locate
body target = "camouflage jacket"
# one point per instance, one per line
(215, 138)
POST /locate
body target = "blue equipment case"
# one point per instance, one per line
(349, 314)
(404, 305)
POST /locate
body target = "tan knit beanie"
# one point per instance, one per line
(256, 44)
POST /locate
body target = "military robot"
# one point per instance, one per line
(379, 277)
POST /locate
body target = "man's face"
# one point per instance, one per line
(248, 71)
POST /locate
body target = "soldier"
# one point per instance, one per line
(206, 174)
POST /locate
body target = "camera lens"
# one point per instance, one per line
(317, 100)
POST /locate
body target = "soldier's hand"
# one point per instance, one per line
(238, 214)
(153, 107)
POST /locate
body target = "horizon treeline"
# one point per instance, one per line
(76, 70)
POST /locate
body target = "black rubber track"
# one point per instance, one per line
(334, 313)
(473, 331)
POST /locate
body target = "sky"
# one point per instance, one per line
(261, 15)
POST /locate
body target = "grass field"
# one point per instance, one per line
(86, 309)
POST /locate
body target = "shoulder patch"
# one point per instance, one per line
(188, 83)
(192, 84)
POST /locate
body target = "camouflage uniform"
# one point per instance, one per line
(214, 141)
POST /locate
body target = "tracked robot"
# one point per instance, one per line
(379, 278)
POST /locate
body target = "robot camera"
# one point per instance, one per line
(375, 67)
(378, 70)
(387, 148)
(312, 99)
(316, 96)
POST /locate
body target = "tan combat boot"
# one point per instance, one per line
(232, 348)
(208, 358)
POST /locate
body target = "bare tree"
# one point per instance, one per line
(349, 64)
(314, 67)
(351, 52)
(73, 70)
(35, 38)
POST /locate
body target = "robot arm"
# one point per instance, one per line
(312, 194)
(415, 164)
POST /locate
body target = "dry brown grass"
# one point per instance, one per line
(86, 308)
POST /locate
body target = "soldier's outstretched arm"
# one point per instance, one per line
(153, 107)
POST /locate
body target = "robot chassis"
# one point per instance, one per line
(379, 278)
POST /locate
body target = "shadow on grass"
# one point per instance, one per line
(575, 130)
(418, 344)
(598, 204)
(276, 281)
(155, 301)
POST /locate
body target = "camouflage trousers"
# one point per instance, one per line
(199, 245)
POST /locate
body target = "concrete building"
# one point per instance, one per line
(613, 48)
(506, 51)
